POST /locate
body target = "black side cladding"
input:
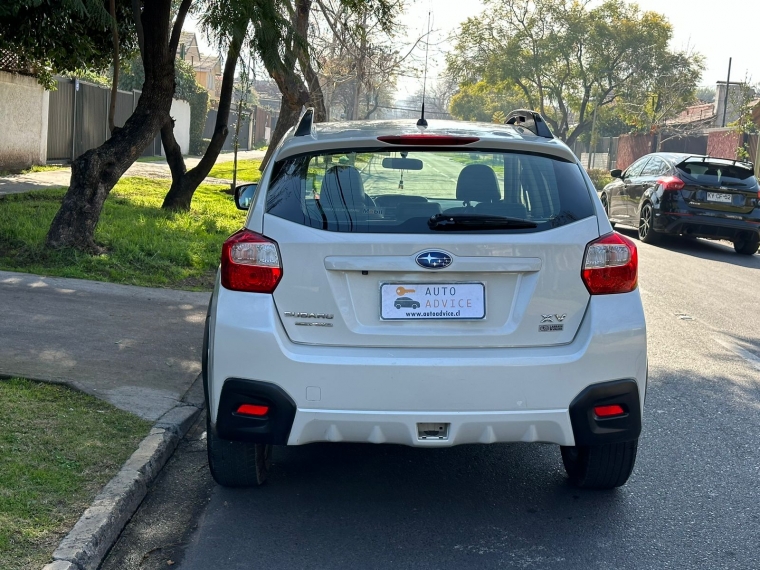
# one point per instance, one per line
(274, 428)
(588, 429)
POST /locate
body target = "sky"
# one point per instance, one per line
(716, 29)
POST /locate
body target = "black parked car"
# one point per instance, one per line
(683, 194)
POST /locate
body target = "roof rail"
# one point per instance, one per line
(530, 120)
(306, 124)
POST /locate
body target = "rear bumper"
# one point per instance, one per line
(380, 395)
(702, 225)
(284, 424)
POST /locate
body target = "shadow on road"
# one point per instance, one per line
(721, 251)
(689, 504)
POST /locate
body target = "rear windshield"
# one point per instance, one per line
(398, 192)
(716, 172)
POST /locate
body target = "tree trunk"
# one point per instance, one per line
(95, 173)
(186, 182)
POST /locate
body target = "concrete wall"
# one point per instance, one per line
(180, 112)
(724, 143)
(23, 122)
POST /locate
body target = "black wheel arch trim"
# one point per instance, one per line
(274, 428)
(590, 430)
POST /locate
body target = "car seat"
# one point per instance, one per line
(342, 198)
(476, 183)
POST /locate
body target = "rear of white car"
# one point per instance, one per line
(458, 286)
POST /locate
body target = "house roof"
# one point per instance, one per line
(702, 113)
(207, 63)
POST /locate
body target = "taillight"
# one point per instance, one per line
(251, 263)
(671, 183)
(610, 265)
(427, 140)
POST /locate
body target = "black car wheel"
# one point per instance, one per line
(600, 466)
(646, 223)
(397, 306)
(416, 306)
(606, 206)
(747, 245)
(237, 463)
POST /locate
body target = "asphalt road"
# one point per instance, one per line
(693, 501)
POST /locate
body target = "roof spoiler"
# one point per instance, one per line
(530, 120)
(306, 124)
(700, 158)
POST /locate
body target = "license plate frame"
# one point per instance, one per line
(450, 306)
(719, 197)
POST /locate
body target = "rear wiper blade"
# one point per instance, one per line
(464, 222)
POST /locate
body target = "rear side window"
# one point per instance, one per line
(378, 191)
(716, 172)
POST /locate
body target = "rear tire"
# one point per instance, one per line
(747, 246)
(600, 466)
(647, 234)
(237, 463)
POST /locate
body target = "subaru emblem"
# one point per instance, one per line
(433, 259)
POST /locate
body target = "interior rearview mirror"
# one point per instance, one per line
(616, 173)
(244, 195)
(402, 163)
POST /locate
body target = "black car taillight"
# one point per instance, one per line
(251, 263)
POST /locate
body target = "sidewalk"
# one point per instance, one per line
(136, 347)
(18, 183)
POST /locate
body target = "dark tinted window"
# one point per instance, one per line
(398, 192)
(653, 167)
(716, 172)
(636, 168)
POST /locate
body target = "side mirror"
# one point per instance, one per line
(244, 195)
(616, 173)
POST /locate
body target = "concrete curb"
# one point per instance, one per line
(85, 547)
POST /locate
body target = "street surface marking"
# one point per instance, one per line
(734, 347)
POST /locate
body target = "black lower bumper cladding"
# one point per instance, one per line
(272, 428)
(589, 429)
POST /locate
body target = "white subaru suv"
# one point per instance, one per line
(458, 285)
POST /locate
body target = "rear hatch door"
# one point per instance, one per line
(718, 185)
(362, 265)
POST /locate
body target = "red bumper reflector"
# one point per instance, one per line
(609, 411)
(252, 410)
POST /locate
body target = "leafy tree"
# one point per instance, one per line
(63, 36)
(482, 100)
(706, 93)
(94, 173)
(569, 59)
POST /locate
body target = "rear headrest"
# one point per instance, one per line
(342, 187)
(478, 183)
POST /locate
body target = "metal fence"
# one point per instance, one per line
(255, 129)
(602, 155)
(78, 118)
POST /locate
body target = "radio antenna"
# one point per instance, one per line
(422, 123)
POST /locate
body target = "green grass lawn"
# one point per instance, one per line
(35, 168)
(146, 245)
(58, 448)
(248, 170)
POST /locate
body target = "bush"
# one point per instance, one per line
(599, 177)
